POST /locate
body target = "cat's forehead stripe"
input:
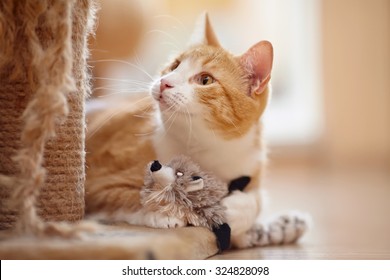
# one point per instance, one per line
(211, 59)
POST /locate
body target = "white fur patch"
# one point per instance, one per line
(242, 210)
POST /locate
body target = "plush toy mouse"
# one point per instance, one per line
(181, 189)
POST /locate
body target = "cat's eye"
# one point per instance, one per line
(174, 65)
(206, 79)
(179, 174)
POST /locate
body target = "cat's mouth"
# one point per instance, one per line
(169, 103)
(172, 103)
(164, 103)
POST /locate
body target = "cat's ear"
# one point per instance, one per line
(258, 62)
(203, 32)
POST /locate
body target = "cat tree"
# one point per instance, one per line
(42, 92)
(43, 87)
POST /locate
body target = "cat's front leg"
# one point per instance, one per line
(160, 220)
(242, 209)
(148, 218)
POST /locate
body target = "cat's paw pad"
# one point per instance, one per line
(157, 220)
(287, 228)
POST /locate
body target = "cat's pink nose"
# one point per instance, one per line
(164, 85)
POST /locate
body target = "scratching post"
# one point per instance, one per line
(43, 85)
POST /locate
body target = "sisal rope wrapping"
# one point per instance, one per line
(43, 85)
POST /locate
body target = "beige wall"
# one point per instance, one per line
(356, 48)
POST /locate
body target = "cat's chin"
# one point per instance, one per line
(169, 110)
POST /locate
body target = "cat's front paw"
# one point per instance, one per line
(158, 220)
(256, 236)
(241, 211)
(287, 228)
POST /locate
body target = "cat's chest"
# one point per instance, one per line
(228, 159)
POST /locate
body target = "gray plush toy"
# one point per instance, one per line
(181, 189)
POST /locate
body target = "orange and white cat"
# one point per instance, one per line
(207, 105)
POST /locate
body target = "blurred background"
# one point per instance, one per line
(328, 125)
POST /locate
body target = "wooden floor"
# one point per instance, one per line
(350, 208)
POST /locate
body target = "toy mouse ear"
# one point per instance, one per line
(195, 185)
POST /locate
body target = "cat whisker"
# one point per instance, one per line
(190, 124)
(175, 19)
(173, 103)
(215, 135)
(124, 62)
(104, 122)
(175, 114)
(127, 81)
(146, 114)
(108, 87)
(170, 109)
(142, 116)
(157, 128)
(99, 50)
(113, 115)
(148, 110)
(171, 45)
(104, 88)
(171, 118)
(133, 90)
(177, 43)
(119, 92)
(238, 130)
(148, 133)
(138, 59)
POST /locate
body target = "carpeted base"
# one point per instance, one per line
(118, 241)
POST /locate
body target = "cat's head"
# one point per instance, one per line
(205, 81)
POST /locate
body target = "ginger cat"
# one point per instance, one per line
(207, 105)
